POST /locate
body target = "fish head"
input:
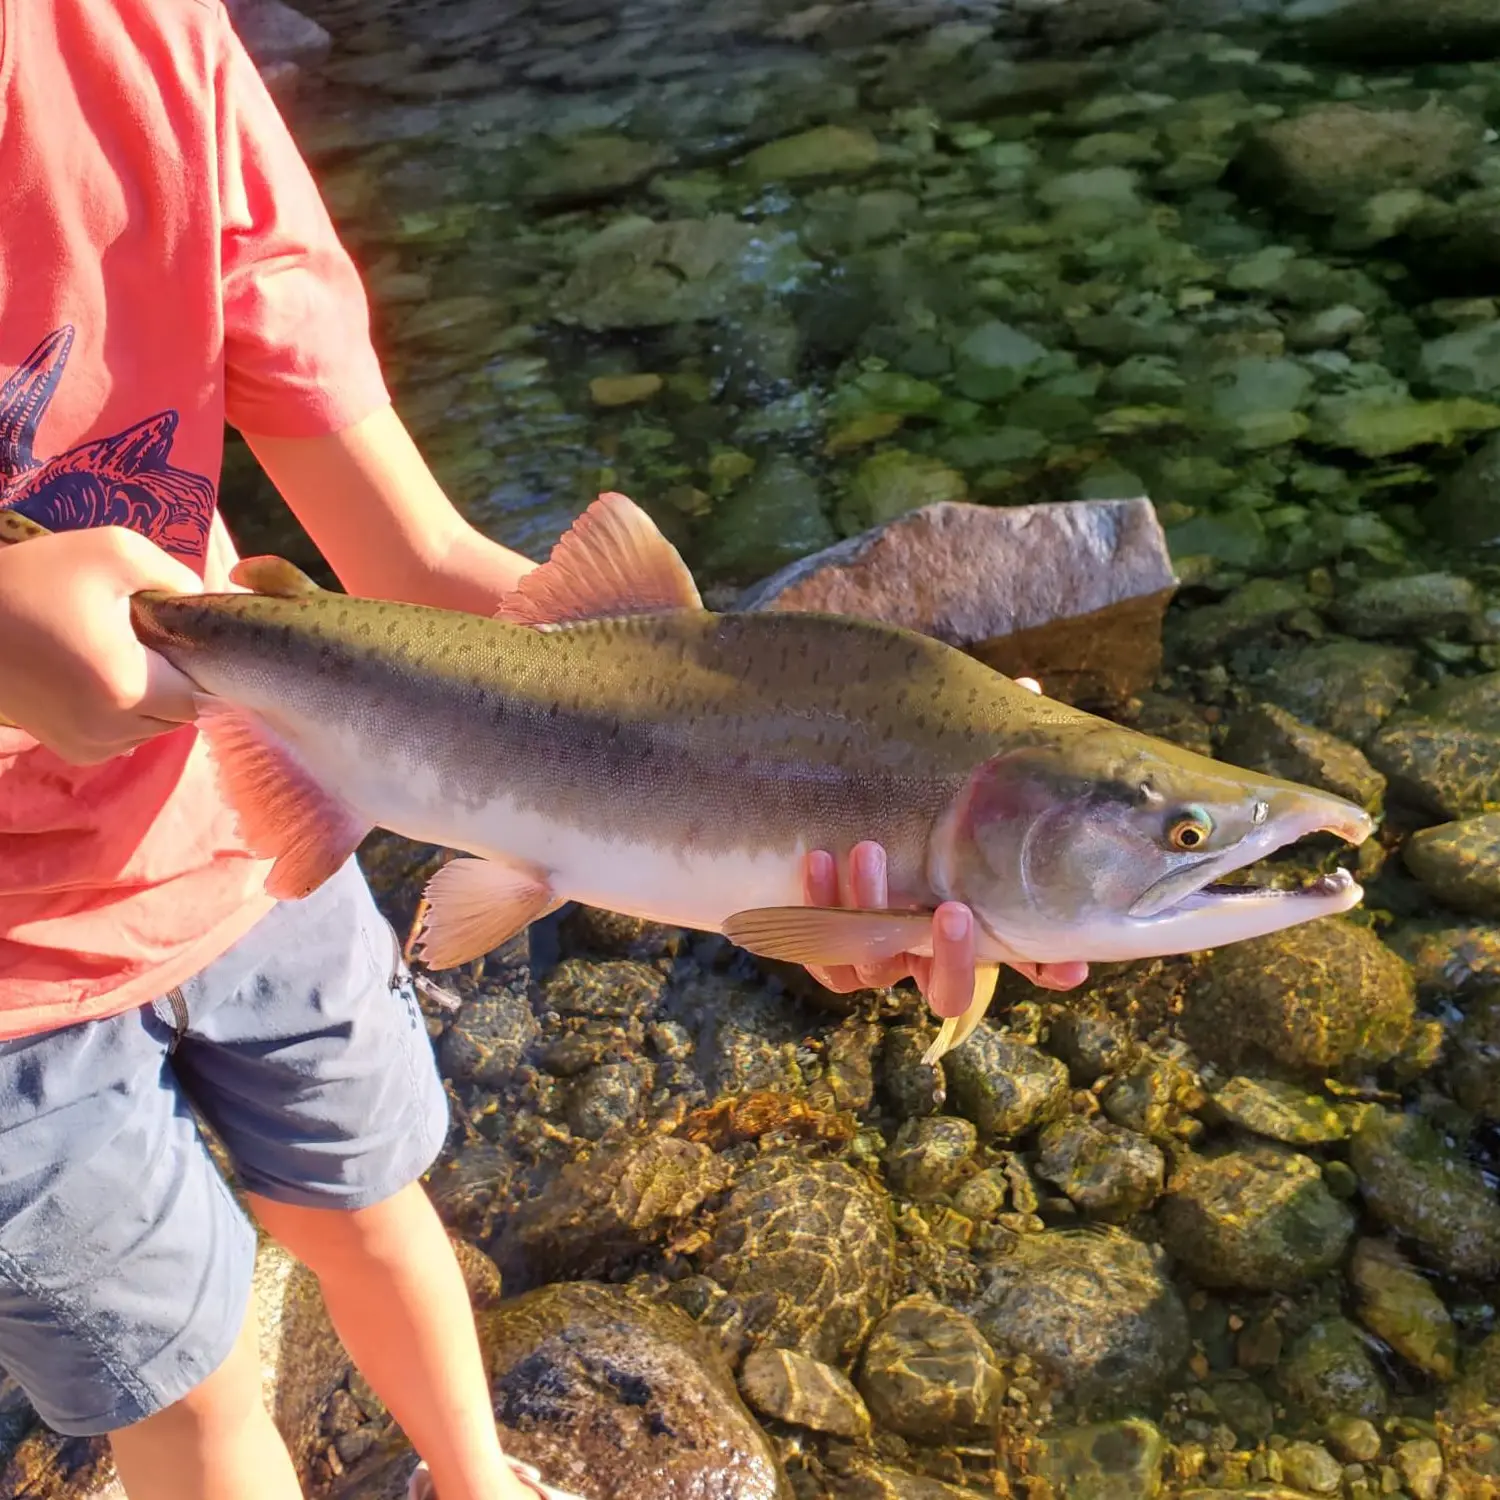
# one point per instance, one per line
(1098, 843)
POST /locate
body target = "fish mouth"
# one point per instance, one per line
(1333, 885)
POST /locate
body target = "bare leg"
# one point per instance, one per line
(397, 1297)
(217, 1443)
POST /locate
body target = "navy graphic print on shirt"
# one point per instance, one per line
(124, 480)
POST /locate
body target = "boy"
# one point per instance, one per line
(165, 261)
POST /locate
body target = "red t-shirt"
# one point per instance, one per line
(165, 263)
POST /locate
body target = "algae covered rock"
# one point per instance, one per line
(1004, 1086)
(1323, 997)
(1425, 1190)
(1473, 1062)
(773, 520)
(1348, 688)
(1105, 1460)
(593, 1380)
(1107, 1171)
(1459, 863)
(1416, 604)
(1279, 1111)
(1093, 1310)
(928, 1374)
(1443, 750)
(1267, 738)
(1399, 31)
(1328, 1372)
(810, 1247)
(1260, 1217)
(1398, 1304)
(931, 1156)
(824, 151)
(793, 1388)
(890, 484)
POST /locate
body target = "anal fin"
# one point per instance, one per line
(956, 1030)
(284, 814)
(827, 935)
(474, 906)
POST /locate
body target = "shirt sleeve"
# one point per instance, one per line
(297, 352)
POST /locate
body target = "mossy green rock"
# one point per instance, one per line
(1400, 31)
(1473, 1058)
(1425, 1190)
(811, 1244)
(1260, 1217)
(1328, 1372)
(1094, 1311)
(1466, 509)
(775, 519)
(1348, 688)
(891, 483)
(1417, 604)
(826, 151)
(1279, 1111)
(1107, 1171)
(591, 166)
(1327, 996)
(1459, 863)
(1267, 738)
(931, 1156)
(1443, 750)
(1250, 613)
(1104, 1461)
(1378, 424)
(1399, 1305)
(1004, 1086)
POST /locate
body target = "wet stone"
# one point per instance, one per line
(1245, 1408)
(931, 1157)
(1419, 604)
(1348, 688)
(911, 1086)
(1399, 1305)
(1459, 863)
(488, 1037)
(928, 1374)
(608, 1097)
(1443, 750)
(1091, 1045)
(1354, 1439)
(1311, 1467)
(1004, 1086)
(1324, 996)
(810, 1246)
(851, 1064)
(1279, 1111)
(1156, 1098)
(1473, 1059)
(1425, 1190)
(984, 1195)
(1419, 1462)
(1108, 1172)
(611, 934)
(1328, 1372)
(1260, 1217)
(1104, 1461)
(825, 151)
(616, 989)
(793, 1388)
(1267, 738)
(1094, 1311)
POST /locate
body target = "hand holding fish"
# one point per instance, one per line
(75, 675)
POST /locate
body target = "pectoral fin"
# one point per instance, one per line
(273, 575)
(611, 561)
(956, 1030)
(284, 814)
(827, 935)
(474, 906)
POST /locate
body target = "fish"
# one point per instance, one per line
(606, 739)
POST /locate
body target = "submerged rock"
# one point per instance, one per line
(1261, 1217)
(1104, 1461)
(1443, 750)
(1399, 31)
(1093, 1310)
(773, 520)
(1398, 1305)
(1424, 1189)
(1466, 510)
(1328, 1372)
(1325, 996)
(1107, 1171)
(1348, 688)
(1004, 1086)
(1046, 579)
(824, 151)
(931, 1157)
(1417, 604)
(1267, 738)
(809, 1249)
(1474, 1055)
(1280, 1111)
(591, 1379)
(1459, 863)
(892, 484)
(928, 1374)
(793, 1388)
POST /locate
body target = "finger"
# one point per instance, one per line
(868, 887)
(820, 887)
(1029, 683)
(169, 694)
(951, 988)
(1063, 976)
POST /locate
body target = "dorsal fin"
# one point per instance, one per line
(611, 561)
(273, 575)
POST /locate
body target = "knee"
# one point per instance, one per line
(330, 1240)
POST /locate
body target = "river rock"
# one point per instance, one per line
(1466, 509)
(1399, 1305)
(1422, 1188)
(1417, 604)
(1328, 1372)
(595, 1213)
(592, 1380)
(931, 1157)
(1465, 362)
(1094, 1311)
(1279, 1111)
(1004, 1086)
(1459, 863)
(894, 483)
(1071, 593)
(488, 1037)
(1322, 997)
(928, 1374)
(793, 1388)
(1260, 1217)
(585, 168)
(1104, 1461)
(1267, 738)
(776, 518)
(1473, 1058)
(1109, 1172)
(1331, 157)
(1397, 31)
(1468, 1425)
(1443, 750)
(911, 1086)
(824, 151)
(809, 1249)
(1348, 688)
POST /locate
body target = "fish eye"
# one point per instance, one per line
(1190, 831)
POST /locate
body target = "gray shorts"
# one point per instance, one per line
(125, 1262)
